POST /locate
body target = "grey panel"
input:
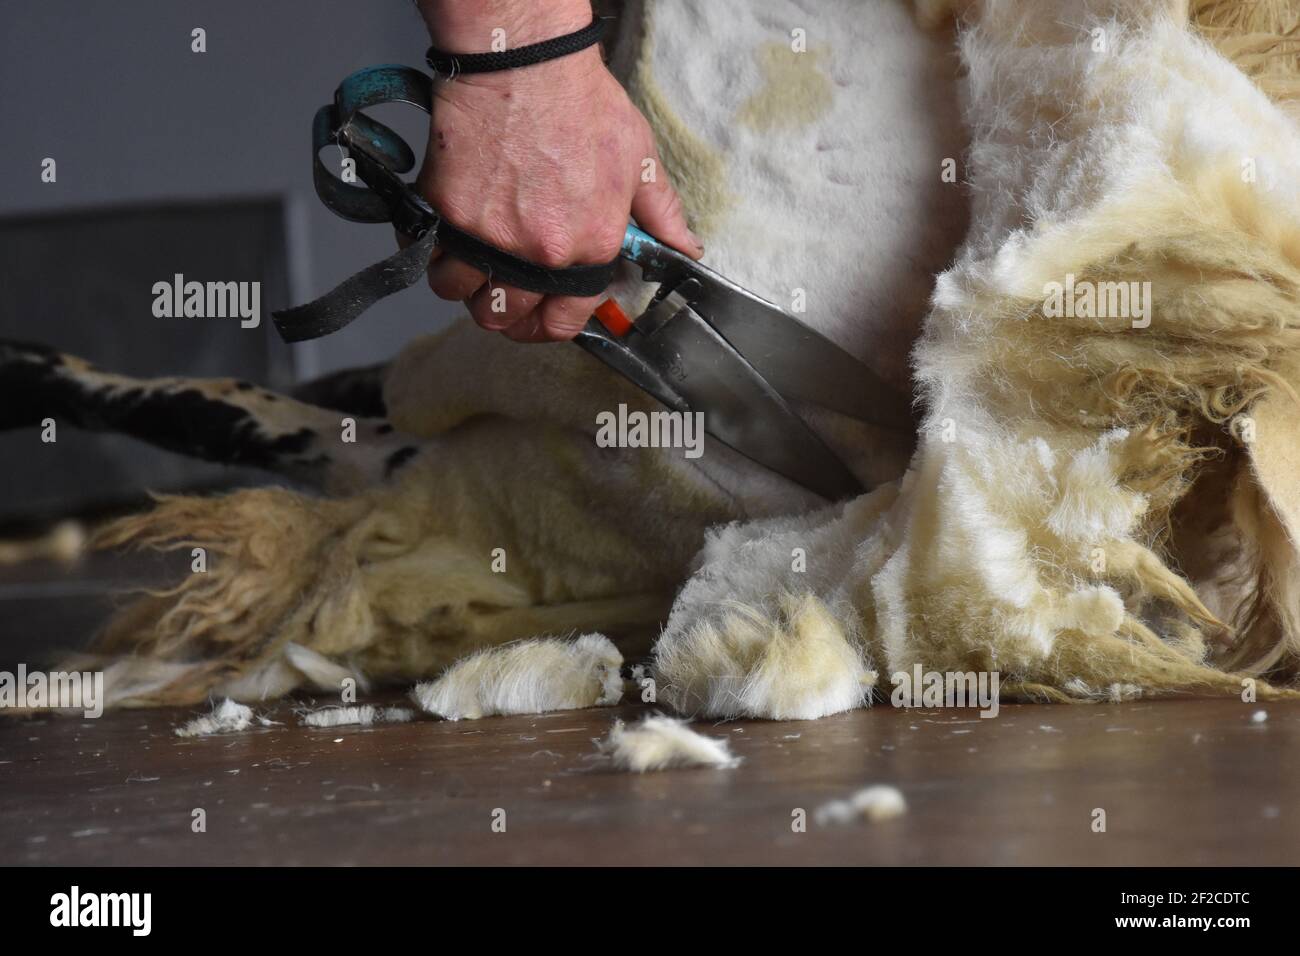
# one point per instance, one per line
(82, 283)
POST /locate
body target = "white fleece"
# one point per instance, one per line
(661, 743)
(362, 716)
(874, 803)
(227, 717)
(527, 677)
(981, 553)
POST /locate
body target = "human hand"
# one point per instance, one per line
(546, 162)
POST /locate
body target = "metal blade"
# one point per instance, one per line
(798, 361)
(740, 408)
(619, 354)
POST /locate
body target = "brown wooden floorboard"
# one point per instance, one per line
(1182, 782)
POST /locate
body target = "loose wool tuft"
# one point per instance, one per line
(530, 677)
(799, 664)
(875, 803)
(228, 717)
(661, 743)
(361, 716)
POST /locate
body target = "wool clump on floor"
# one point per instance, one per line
(661, 743)
(228, 717)
(363, 715)
(527, 677)
(875, 803)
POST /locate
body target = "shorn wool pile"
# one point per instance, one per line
(1103, 500)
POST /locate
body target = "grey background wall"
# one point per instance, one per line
(112, 92)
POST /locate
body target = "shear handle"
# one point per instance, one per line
(380, 156)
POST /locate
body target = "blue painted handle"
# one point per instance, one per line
(645, 250)
(637, 243)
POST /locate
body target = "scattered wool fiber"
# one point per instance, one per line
(228, 717)
(661, 743)
(362, 716)
(875, 803)
(527, 677)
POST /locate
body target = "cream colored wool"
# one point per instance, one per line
(662, 743)
(361, 716)
(1261, 37)
(799, 664)
(399, 582)
(1054, 451)
(228, 717)
(1093, 509)
(875, 803)
(530, 677)
(65, 542)
(298, 667)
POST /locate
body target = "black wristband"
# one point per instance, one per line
(451, 64)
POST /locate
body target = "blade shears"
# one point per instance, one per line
(704, 344)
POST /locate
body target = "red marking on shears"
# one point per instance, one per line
(613, 318)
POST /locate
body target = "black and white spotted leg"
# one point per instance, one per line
(355, 391)
(222, 420)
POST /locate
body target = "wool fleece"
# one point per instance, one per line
(1072, 461)
(530, 677)
(1102, 500)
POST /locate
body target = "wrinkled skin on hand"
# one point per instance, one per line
(547, 162)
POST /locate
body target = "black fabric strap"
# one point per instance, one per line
(347, 300)
(504, 268)
(453, 64)
(354, 295)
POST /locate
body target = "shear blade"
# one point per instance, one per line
(740, 408)
(798, 361)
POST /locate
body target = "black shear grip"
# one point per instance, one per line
(381, 156)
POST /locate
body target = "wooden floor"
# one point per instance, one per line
(1181, 782)
(1185, 782)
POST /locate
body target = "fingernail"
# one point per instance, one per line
(699, 244)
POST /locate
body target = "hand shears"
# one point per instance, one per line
(704, 344)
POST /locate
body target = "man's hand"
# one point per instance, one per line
(546, 162)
